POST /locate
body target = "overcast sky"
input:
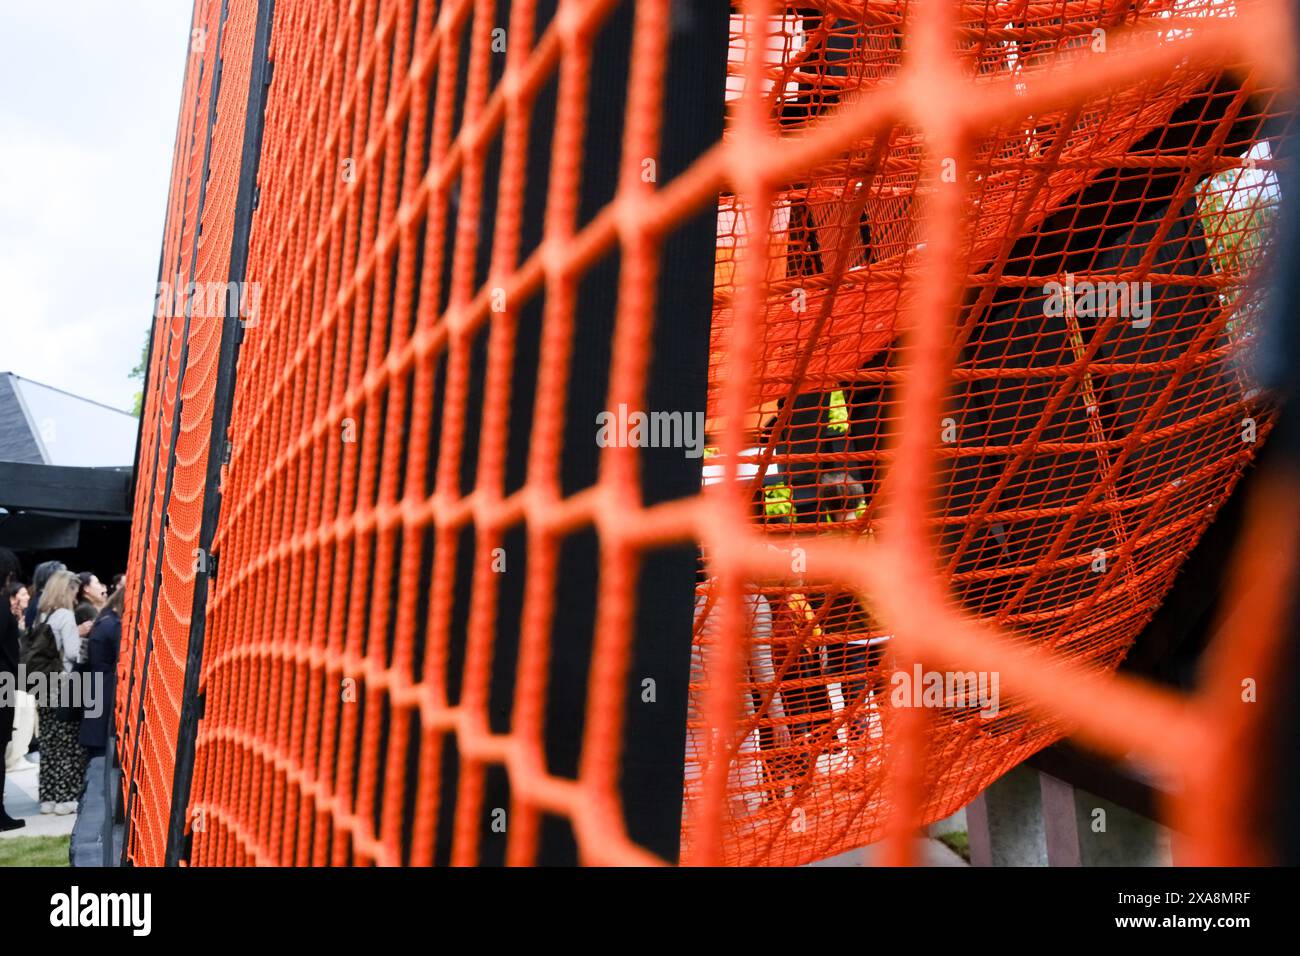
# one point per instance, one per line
(87, 126)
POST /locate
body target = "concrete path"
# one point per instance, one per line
(928, 853)
(21, 800)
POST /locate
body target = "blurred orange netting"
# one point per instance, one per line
(1082, 195)
(178, 418)
(982, 295)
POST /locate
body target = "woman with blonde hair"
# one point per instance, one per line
(55, 646)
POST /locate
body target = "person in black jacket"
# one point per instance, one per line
(104, 641)
(8, 694)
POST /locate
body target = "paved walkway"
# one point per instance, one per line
(929, 852)
(86, 826)
(21, 800)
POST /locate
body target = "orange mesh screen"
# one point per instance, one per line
(1080, 446)
(931, 444)
(159, 400)
(195, 326)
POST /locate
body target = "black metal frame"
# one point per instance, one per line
(77, 492)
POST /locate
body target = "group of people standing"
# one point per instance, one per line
(63, 623)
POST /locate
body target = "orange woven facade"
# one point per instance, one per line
(177, 413)
(983, 293)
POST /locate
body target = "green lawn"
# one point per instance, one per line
(958, 842)
(34, 851)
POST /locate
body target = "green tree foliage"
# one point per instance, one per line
(137, 374)
(1238, 207)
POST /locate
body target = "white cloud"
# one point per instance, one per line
(87, 129)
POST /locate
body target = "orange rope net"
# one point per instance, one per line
(1072, 450)
(171, 477)
(982, 292)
